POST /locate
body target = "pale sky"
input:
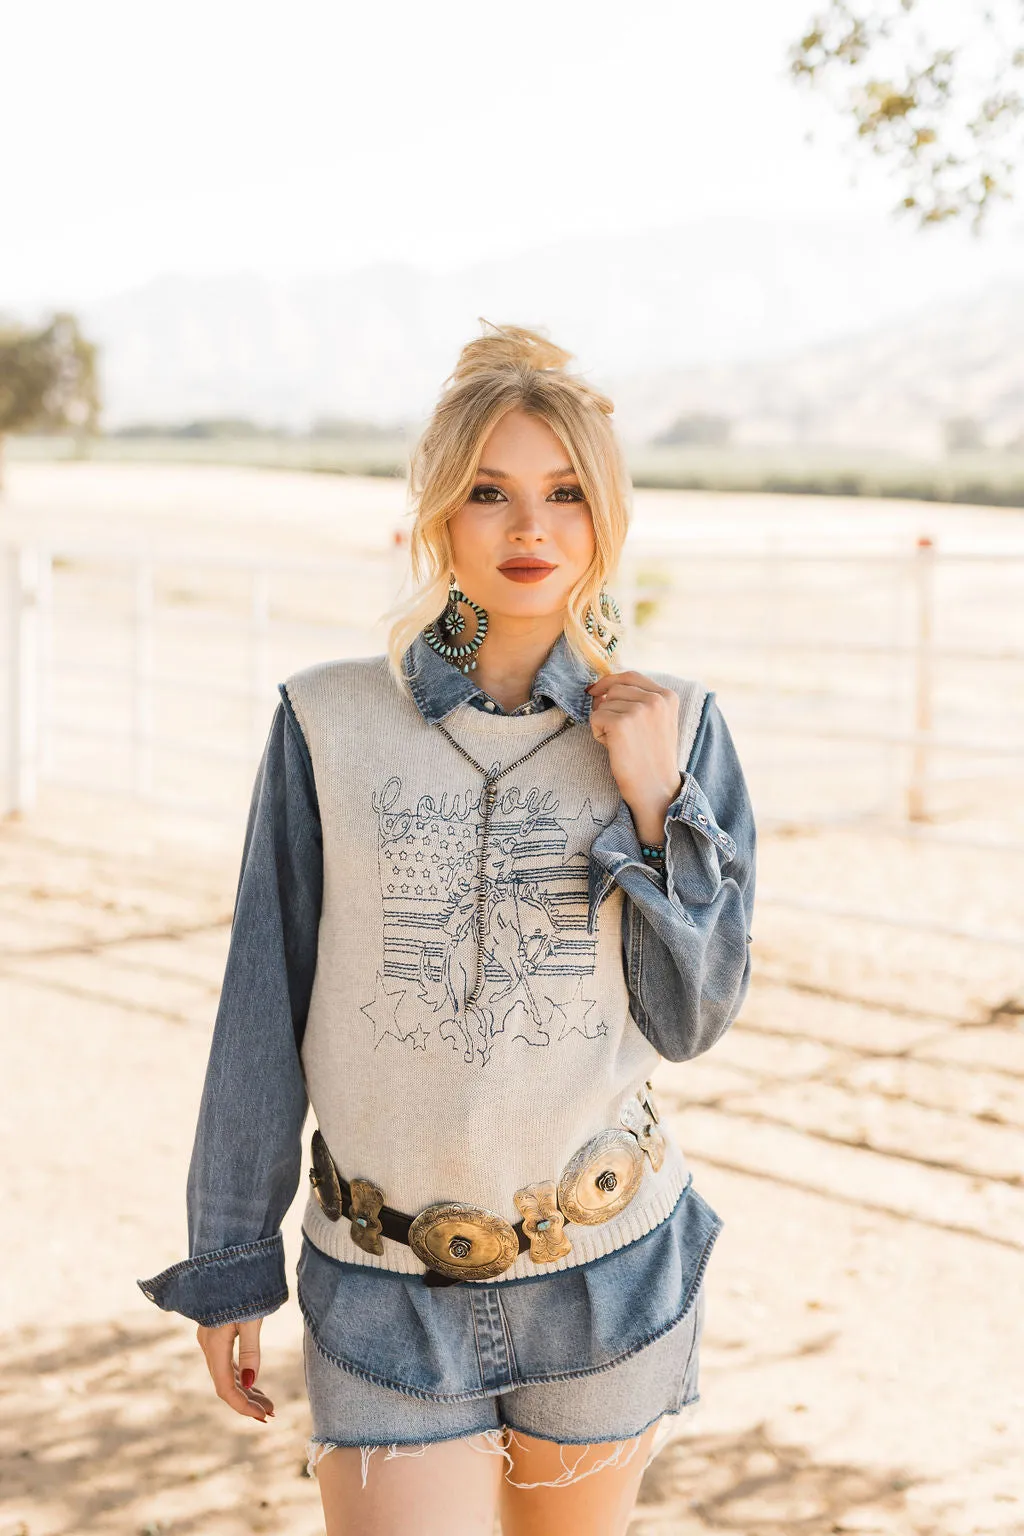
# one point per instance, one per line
(141, 139)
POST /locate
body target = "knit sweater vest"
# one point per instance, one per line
(429, 1099)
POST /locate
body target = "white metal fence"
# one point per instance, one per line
(857, 685)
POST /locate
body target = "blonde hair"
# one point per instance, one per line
(509, 367)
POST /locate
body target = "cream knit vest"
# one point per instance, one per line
(426, 1102)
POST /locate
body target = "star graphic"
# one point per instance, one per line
(383, 1012)
(418, 1036)
(557, 1007)
(580, 832)
(573, 1004)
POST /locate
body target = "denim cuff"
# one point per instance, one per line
(229, 1285)
(696, 847)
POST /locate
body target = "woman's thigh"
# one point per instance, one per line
(579, 1448)
(441, 1488)
(572, 1490)
(389, 1463)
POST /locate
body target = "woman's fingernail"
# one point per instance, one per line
(248, 1377)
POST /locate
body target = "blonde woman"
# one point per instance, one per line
(489, 882)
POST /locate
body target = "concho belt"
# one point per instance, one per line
(466, 1242)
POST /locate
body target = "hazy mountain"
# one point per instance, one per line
(892, 388)
(796, 326)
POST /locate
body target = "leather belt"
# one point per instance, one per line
(457, 1241)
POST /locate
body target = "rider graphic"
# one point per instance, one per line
(536, 952)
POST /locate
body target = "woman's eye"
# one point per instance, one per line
(483, 493)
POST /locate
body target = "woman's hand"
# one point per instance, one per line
(638, 722)
(235, 1382)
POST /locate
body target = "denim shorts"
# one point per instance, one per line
(611, 1406)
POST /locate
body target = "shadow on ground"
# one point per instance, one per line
(753, 1485)
(108, 1429)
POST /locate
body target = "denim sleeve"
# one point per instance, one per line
(686, 933)
(247, 1153)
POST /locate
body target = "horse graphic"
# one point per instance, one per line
(520, 930)
(456, 912)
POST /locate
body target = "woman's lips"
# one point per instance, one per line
(526, 572)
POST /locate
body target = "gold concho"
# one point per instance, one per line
(647, 1098)
(543, 1222)
(649, 1138)
(464, 1242)
(324, 1178)
(365, 1205)
(601, 1178)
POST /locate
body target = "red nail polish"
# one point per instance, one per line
(248, 1377)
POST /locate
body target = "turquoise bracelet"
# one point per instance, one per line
(653, 851)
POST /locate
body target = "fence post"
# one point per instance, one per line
(22, 716)
(142, 680)
(44, 710)
(924, 613)
(259, 658)
(398, 567)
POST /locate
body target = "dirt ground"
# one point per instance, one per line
(860, 1129)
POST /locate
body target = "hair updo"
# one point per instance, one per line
(512, 346)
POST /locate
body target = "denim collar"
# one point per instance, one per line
(439, 687)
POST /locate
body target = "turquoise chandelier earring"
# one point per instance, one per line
(609, 609)
(442, 633)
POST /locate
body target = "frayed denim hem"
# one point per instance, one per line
(317, 1449)
(497, 1440)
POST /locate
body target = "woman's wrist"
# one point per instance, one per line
(649, 818)
(654, 853)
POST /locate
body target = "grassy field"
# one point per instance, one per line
(993, 479)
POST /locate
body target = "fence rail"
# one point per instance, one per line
(657, 586)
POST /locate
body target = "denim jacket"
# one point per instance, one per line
(685, 946)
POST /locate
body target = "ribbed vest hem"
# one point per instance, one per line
(653, 1202)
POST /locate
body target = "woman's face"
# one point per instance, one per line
(526, 507)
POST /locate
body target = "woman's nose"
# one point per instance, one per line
(526, 516)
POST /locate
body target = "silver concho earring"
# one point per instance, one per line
(441, 633)
(609, 608)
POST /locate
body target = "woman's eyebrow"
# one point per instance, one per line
(501, 474)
